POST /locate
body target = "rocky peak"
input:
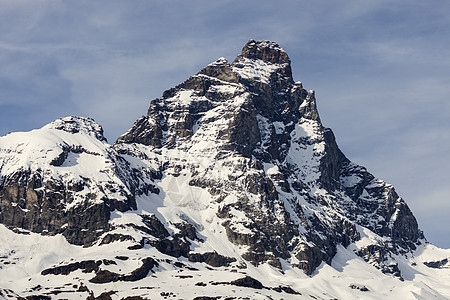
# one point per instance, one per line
(63, 178)
(263, 63)
(76, 124)
(267, 51)
(250, 106)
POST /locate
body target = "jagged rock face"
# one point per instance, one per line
(64, 178)
(252, 137)
(232, 166)
(76, 125)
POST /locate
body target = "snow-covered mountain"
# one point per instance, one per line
(229, 188)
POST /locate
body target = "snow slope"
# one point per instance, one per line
(24, 256)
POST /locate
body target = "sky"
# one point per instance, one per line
(380, 69)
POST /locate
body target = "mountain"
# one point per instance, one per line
(228, 188)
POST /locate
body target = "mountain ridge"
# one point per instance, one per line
(231, 169)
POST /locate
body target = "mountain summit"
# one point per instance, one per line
(251, 134)
(232, 174)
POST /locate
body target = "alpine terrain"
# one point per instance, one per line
(228, 188)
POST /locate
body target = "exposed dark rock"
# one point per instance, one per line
(405, 231)
(266, 51)
(155, 227)
(138, 246)
(269, 234)
(120, 257)
(373, 253)
(179, 264)
(105, 276)
(173, 246)
(87, 266)
(61, 158)
(167, 294)
(184, 276)
(332, 162)
(310, 258)
(246, 281)
(141, 272)
(220, 69)
(83, 288)
(249, 282)
(37, 297)
(113, 237)
(436, 264)
(187, 230)
(200, 284)
(211, 258)
(362, 288)
(108, 262)
(79, 124)
(143, 132)
(36, 205)
(395, 219)
(392, 269)
(286, 289)
(134, 298)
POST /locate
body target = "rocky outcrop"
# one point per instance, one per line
(332, 163)
(373, 197)
(55, 192)
(211, 258)
(105, 276)
(437, 264)
(73, 125)
(87, 266)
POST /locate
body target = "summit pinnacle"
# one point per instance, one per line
(267, 51)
